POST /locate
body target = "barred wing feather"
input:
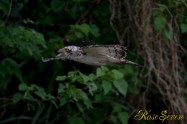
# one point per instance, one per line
(112, 51)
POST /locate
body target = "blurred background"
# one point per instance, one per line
(155, 33)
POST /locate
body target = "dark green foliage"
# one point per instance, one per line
(64, 91)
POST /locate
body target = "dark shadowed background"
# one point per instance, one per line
(155, 33)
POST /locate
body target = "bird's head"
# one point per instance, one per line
(70, 51)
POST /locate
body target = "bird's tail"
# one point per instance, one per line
(132, 63)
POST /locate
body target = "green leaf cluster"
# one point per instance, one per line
(64, 91)
(83, 93)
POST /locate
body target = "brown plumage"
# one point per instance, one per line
(97, 55)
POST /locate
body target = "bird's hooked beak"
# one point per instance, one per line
(63, 50)
(60, 55)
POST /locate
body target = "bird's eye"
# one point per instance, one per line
(67, 50)
(64, 50)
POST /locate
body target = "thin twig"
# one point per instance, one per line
(8, 14)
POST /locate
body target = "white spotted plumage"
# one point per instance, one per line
(93, 55)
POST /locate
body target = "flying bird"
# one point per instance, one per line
(96, 55)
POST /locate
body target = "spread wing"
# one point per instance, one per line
(95, 55)
(114, 52)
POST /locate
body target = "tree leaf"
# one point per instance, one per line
(81, 94)
(85, 77)
(94, 30)
(168, 34)
(60, 78)
(107, 86)
(57, 5)
(183, 27)
(123, 117)
(4, 6)
(54, 103)
(63, 101)
(80, 107)
(92, 87)
(100, 72)
(121, 85)
(84, 28)
(40, 92)
(17, 97)
(37, 114)
(19, 75)
(117, 74)
(76, 120)
(61, 88)
(22, 87)
(159, 23)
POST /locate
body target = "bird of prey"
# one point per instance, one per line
(96, 55)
